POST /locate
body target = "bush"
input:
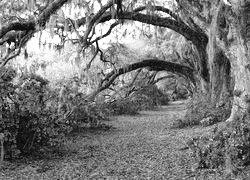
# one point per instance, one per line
(32, 115)
(27, 121)
(122, 106)
(178, 123)
(154, 94)
(87, 115)
(180, 94)
(76, 109)
(147, 98)
(201, 110)
(227, 149)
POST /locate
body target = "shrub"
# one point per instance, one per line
(122, 106)
(76, 109)
(87, 114)
(146, 98)
(27, 121)
(32, 115)
(201, 109)
(178, 123)
(227, 149)
(156, 96)
(181, 94)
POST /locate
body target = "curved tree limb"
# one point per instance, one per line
(17, 26)
(154, 64)
(34, 23)
(176, 24)
(197, 38)
(162, 9)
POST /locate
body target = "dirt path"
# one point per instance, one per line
(139, 147)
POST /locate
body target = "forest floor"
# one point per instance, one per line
(143, 146)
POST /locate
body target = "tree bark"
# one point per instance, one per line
(228, 55)
(239, 54)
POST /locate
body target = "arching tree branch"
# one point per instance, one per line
(175, 24)
(154, 64)
(34, 23)
(162, 9)
(187, 32)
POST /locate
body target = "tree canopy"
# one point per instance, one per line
(80, 22)
(214, 30)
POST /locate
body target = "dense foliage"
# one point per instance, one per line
(201, 110)
(226, 149)
(34, 115)
(147, 97)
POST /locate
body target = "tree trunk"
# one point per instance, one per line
(221, 80)
(219, 64)
(239, 56)
(217, 83)
(237, 51)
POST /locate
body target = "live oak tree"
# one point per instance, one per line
(218, 31)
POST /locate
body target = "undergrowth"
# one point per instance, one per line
(148, 97)
(34, 116)
(227, 149)
(202, 111)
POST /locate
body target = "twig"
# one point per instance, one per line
(92, 59)
(33, 139)
(107, 33)
(73, 25)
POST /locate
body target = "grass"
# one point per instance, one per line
(143, 146)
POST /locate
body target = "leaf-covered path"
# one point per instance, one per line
(139, 147)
